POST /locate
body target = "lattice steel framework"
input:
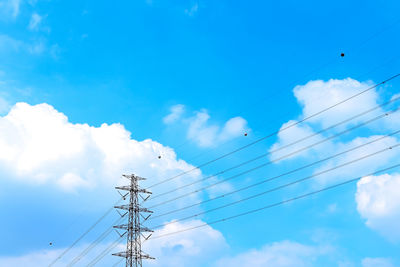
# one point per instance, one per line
(134, 228)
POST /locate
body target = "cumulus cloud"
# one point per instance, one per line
(34, 22)
(206, 135)
(279, 254)
(40, 145)
(175, 114)
(362, 167)
(314, 97)
(317, 95)
(201, 131)
(284, 145)
(378, 202)
(198, 247)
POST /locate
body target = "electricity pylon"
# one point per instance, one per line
(134, 229)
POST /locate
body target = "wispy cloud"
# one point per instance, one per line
(35, 21)
(10, 45)
(9, 8)
(175, 114)
(374, 262)
(192, 10)
(208, 135)
(204, 133)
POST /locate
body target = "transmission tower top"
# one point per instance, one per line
(134, 230)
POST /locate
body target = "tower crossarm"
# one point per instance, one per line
(133, 177)
(129, 188)
(135, 256)
(147, 257)
(127, 207)
(120, 254)
(136, 229)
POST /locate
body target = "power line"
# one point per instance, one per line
(286, 185)
(355, 48)
(276, 204)
(275, 177)
(105, 252)
(225, 155)
(297, 181)
(94, 243)
(83, 235)
(275, 160)
(109, 210)
(117, 263)
(232, 152)
(276, 132)
(282, 186)
(353, 127)
(278, 149)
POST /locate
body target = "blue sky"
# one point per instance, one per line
(91, 90)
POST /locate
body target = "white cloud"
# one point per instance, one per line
(317, 95)
(206, 135)
(207, 247)
(279, 254)
(310, 96)
(197, 247)
(201, 131)
(40, 145)
(203, 134)
(35, 21)
(71, 181)
(9, 8)
(377, 262)
(378, 201)
(175, 114)
(286, 137)
(233, 128)
(362, 167)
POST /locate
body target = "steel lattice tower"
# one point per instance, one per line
(134, 229)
